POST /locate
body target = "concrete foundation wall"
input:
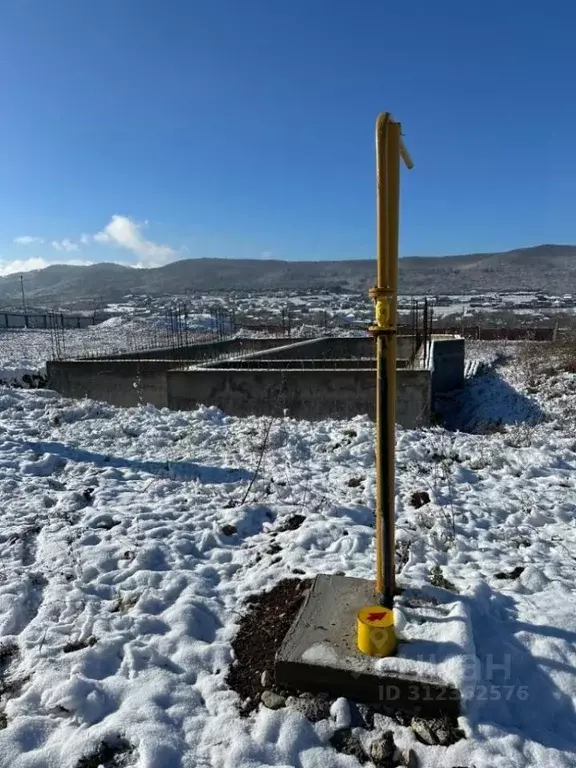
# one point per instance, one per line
(333, 347)
(204, 351)
(262, 363)
(447, 364)
(298, 350)
(118, 382)
(312, 379)
(306, 394)
(329, 363)
(413, 398)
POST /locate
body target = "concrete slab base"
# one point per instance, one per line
(319, 652)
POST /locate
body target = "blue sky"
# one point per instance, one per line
(140, 131)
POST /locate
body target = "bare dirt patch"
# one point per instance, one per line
(267, 618)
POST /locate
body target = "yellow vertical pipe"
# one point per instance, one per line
(392, 222)
(375, 624)
(381, 212)
(382, 279)
(382, 124)
(388, 150)
(392, 216)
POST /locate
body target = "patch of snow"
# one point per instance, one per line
(340, 712)
(319, 653)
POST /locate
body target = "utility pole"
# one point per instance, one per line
(23, 294)
(24, 301)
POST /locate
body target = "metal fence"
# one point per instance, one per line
(16, 320)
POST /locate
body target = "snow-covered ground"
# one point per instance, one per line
(120, 592)
(27, 350)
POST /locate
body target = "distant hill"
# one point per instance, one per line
(547, 268)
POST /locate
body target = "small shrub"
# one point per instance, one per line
(111, 755)
(419, 499)
(78, 645)
(402, 552)
(437, 579)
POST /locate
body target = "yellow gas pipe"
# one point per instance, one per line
(375, 623)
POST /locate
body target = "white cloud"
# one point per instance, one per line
(29, 265)
(21, 265)
(120, 232)
(125, 233)
(65, 245)
(28, 240)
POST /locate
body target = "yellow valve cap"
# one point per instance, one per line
(375, 631)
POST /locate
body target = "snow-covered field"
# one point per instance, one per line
(26, 351)
(120, 592)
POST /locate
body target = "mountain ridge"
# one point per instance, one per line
(550, 268)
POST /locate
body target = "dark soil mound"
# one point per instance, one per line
(267, 618)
